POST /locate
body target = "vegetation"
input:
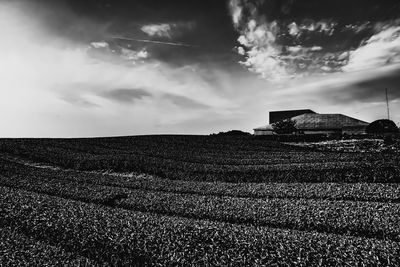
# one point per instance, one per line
(103, 186)
(122, 237)
(382, 127)
(232, 133)
(90, 202)
(303, 209)
(287, 126)
(205, 158)
(18, 249)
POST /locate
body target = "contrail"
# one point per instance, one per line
(154, 42)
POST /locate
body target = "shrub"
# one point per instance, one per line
(382, 127)
(233, 133)
(287, 126)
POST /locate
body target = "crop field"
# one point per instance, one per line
(195, 200)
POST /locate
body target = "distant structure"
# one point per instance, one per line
(275, 116)
(310, 122)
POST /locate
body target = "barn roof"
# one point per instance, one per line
(278, 115)
(326, 121)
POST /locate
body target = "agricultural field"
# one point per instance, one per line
(196, 200)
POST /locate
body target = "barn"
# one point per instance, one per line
(310, 122)
(264, 130)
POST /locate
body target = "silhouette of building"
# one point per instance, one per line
(275, 116)
(309, 122)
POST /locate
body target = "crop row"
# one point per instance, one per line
(372, 219)
(246, 160)
(300, 172)
(64, 156)
(377, 220)
(65, 189)
(332, 191)
(119, 237)
(16, 249)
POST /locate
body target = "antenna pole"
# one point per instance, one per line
(387, 103)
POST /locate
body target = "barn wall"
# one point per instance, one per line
(263, 132)
(354, 130)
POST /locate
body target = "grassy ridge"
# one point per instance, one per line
(81, 213)
(118, 237)
(20, 250)
(203, 158)
(370, 219)
(332, 191)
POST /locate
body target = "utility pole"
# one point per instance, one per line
(387, 103)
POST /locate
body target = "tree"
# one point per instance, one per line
(287, 126)
(382, 127)
(233, 133)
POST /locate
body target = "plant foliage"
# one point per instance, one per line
(287, 126)
(382, 127)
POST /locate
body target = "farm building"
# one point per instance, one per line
(309, 122)
(275, 116)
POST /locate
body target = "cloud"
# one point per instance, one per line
(55, 85)
(280, 49)
(236, 11)
(43, 73)
(266, 54)
(167, 30)
(126, 96)
(293, 29)
(79, 101)
(348, 88)
(134, 55)
(98, 45)
(116, 53)
(161, 30)
(372, 90)
(185, 102)
(262, 55)
(381, 49)
(360, 94)
(309, 26)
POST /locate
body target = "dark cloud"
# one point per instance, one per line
(343, 11)
(184, 102)
(128, 17)
(126, 96)
(79, 101)
(205, 24)
(374, 90)
(366, 90)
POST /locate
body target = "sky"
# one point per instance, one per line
(74, 68)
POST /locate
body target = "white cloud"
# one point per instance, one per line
(236, 11)
(316, 48)
(323, 26)
(266, 56)
(326, 68)
(241, 51)
(99, 44)
(134, 55)
(294, 49)
(275, 60)
(113, 52)
(160, 30)
(263, 54)
(381, 49)
(293, 29)
(167, 30)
